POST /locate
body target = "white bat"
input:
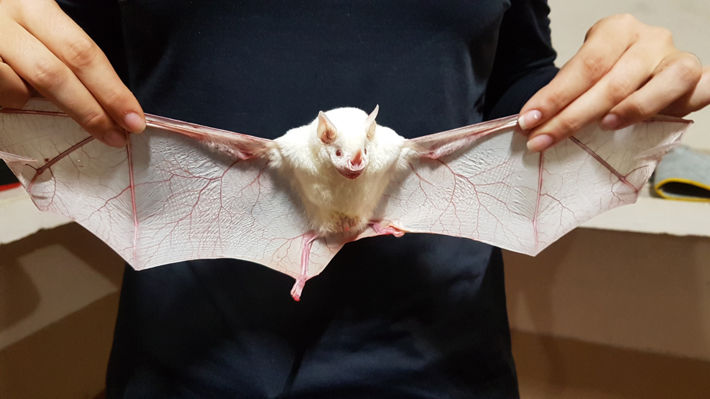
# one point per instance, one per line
(182, 191)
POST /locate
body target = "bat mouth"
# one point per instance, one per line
(351, 173)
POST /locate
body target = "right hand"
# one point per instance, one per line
(43, 49)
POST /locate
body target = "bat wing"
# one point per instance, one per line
(480, 182)
(179, 191)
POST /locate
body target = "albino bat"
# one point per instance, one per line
(182, 191)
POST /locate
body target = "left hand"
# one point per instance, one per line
(625, 72)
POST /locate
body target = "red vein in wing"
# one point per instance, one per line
(604, 163)
(57, 158)
(540, 170)
(132, 185)
(31, 112)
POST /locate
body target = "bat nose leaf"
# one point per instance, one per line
(357, 159)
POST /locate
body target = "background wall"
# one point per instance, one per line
(600, 314)
(606, 314)
(58, 303)
(689, 20)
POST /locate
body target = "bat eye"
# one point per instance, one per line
(338, 153)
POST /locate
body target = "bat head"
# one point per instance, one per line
(346, 134)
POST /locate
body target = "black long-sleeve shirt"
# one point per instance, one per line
(420, 316)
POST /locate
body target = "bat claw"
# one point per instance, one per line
(305, 257)
(297, 289)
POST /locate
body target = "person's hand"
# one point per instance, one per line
(44, 50)
(624, 72)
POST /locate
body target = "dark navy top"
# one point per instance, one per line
(420, 316)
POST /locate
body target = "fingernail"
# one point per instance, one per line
(539, 143)
(134, 122)
(529, 119)
(610, 121)
(115, 138)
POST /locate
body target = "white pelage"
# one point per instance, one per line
(340, 165)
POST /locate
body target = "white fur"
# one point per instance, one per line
(333, 202)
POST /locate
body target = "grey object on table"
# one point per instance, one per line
(683, 174)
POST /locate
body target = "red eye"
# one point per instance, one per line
(338, 153)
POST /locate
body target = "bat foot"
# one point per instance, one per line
(383, 230)
(298, 289)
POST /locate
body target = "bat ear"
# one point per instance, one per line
(370, 122)
(326, 129)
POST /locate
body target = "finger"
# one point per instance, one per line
(631, 71)
(14, 93)
(64, 38)
(676, 76)
(594, 59)
(33, 62)
(698, 98)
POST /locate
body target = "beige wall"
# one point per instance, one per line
(634, 291)
(58, 303)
